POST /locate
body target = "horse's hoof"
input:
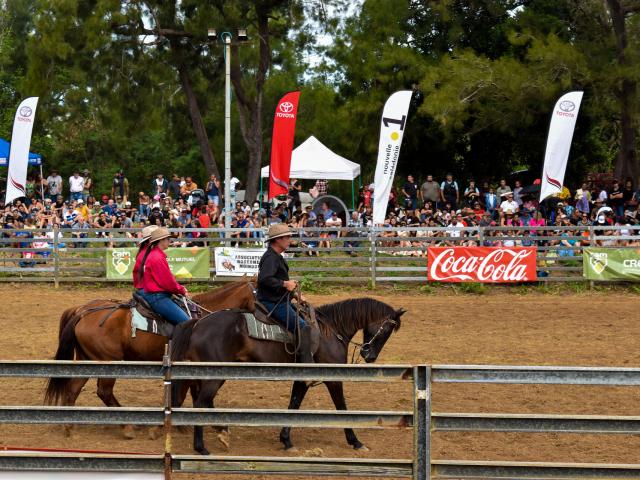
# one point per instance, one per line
(155, 433)
(202, 451)
(291, 449)
(362, 448)
(224, 438)
(128, 432)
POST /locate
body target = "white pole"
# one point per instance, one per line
(41, 184)
(227, 133)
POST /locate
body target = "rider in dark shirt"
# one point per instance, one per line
(274, 288)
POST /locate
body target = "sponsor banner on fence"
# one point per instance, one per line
(481, 264)
(611, 264)
(235, 262)
(183, 262)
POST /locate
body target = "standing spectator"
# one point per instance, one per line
(88, 185)
(160, 185)
(627, 195)
(516, 193)
(174, 186)
(430, 191)
(212, 189)
(410, 192)
(54, 185)
(583, 199)
(120, 186)
(354, 222)
(76, 185)
(471, 194)
(233, 188)
(294, 195)
(449, 192)
(616, 200)
(322, 187)
(502, 189)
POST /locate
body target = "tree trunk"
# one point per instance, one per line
(198, 124)
(626, 92)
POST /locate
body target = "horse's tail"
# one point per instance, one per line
(56, 386)
(181, 339)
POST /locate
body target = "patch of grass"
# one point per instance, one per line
(472, 288)
(426, 289)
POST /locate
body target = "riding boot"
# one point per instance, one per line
(304, 352)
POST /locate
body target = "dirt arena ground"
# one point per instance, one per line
(595, 329)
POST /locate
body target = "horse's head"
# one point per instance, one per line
(376, 334)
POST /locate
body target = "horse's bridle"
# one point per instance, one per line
(365, 345)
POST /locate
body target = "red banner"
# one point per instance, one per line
(481, 264)
(284, 127)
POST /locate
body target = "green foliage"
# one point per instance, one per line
(472, 288)
(485, 75)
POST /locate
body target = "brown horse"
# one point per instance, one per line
(223, 337)
(100, 330)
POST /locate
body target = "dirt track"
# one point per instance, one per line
(596, 329)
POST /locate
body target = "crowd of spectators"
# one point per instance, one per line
(179, 202)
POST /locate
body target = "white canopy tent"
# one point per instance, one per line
(312, 160)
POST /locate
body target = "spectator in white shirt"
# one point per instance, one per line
(76, 185)
(509, 204)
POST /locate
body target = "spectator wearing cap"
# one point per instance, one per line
(82, 209)
(76, 185)
(54, 185)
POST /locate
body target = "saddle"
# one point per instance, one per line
(261, 326)
(144, 318)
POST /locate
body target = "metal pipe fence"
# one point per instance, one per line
(349, 254)
(422, 421)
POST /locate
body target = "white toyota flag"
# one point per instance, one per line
(19, 150)
(561, 129)
(394, 120)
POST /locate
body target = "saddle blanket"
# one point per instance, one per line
(263, 331)
(157, 327)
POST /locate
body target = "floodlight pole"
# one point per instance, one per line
(226, 38)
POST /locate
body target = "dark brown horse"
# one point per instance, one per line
(223, 337)
(100, 330)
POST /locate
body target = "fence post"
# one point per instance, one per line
(592, 239)
(56, 255)
(481, 236)
(166, 366)
(372, 237)
(421, 422)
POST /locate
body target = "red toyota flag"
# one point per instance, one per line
(284, 128)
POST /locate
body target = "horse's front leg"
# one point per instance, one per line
(298, 391)
(337, 395)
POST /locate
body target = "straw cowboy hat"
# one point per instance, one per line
(146, 232)
(278, 230)
(159, 234)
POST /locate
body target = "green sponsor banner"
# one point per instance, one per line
(183, 262)
(611, 264)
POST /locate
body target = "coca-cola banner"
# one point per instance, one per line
(481, 264)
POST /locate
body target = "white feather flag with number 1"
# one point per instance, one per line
(394, 121)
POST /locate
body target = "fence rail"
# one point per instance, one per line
(355, 255)
(421, 420)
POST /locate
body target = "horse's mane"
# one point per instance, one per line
(208, 296)
(353, 314)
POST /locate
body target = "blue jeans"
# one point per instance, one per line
(281, 312)
(76, 196)
(162, 304)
